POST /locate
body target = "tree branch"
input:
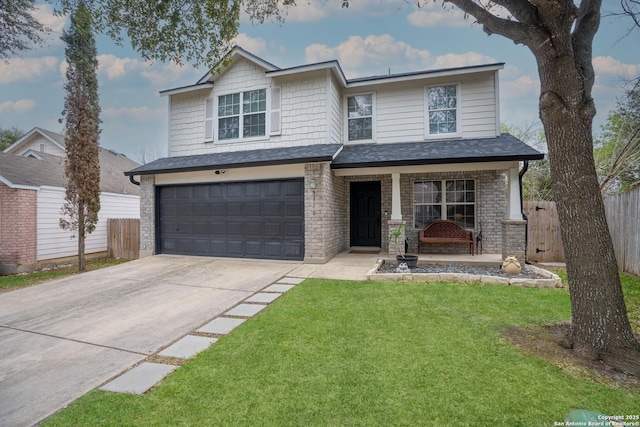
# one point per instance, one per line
(519, 33)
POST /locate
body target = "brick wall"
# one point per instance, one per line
(513, 235)
(18, 228)
(325, 229)
(147, 215)
(490, 209)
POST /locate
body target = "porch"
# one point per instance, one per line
(350, 265)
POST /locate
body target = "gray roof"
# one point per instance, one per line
(503, 148)
(239, 159)
(32, 172)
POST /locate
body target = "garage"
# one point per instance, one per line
(255, 219)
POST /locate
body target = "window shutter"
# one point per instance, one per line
(276, 118)
(208, 119)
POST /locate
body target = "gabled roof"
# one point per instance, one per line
(48, 170)
(240, 159)
(208, 80)
(54, 137)
(503, 148)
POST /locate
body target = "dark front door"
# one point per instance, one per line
(365, 214)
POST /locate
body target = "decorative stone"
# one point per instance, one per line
(403, 268)
(511, 266)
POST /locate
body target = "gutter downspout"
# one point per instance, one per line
(133, 181)
(524, 170)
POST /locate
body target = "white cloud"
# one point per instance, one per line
(137, 113)
(371, 55)
(452, 60)
(519, 88)
(609, 65)
(21, 106)
(378, 54)
(170, 74)
(114, 67)
(254, 45)
(26, 69)
(434, 15)
(44, 15)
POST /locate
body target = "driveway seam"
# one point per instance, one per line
(73, 340)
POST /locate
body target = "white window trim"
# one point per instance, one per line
(267, 113)
(458, 131)
(209, 124)
(346, 118)
(443, 202)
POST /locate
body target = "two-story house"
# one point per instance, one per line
(302, 163)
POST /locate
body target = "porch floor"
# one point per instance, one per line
(355, 263)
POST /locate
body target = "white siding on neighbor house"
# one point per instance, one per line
(53, 242)
(35, 145)
(401, 109)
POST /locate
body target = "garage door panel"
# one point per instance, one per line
(261, 219)
(235, 209)
(254, 229)
(273, 209)
(273, 229)
(253, 209)
(218, 209)
(235, 228)
(293, 230)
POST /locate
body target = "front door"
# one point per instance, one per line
(365, 214)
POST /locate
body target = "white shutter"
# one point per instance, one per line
(276, 119)
(208, 119)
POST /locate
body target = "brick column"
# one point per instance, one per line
(147, 215)
(513, 239)
(396, 246)
(18, 230)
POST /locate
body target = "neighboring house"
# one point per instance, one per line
(301, 163)
(32, 190)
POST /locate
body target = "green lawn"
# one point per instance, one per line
(335, 353)
(21, 280)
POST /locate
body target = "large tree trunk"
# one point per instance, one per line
(560, 36)
(600, 325)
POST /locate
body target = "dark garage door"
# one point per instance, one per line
(261, 219)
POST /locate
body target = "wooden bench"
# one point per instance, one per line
(445, 231)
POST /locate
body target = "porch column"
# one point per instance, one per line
(396, 205)
(514, 213)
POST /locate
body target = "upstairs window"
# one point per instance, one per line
(442, 110)
(360, 117)
(453, 199)
(242, 115)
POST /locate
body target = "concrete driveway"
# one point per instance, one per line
(61, 339)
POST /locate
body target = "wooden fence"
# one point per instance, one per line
(623, 217)
(544, 240)
(123, 238)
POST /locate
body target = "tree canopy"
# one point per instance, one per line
(19, 29)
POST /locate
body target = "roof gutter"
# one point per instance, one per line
(524, 170)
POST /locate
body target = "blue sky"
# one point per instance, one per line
(372, 37)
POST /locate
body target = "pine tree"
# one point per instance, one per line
(82, 130)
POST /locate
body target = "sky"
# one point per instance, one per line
(371, 37)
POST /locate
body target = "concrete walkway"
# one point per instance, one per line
(61, 339)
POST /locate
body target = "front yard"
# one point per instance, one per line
(331, 353)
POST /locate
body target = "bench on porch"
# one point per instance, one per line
(445, 231)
